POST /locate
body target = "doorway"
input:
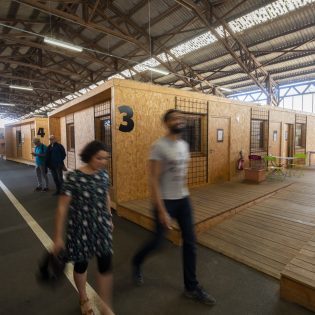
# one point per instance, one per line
(274, 139)
(219, 149)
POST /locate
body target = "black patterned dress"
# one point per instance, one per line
(88, 231)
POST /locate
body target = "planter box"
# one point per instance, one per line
(255, 175)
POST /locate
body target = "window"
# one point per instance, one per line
(70, 138)
(300, 138)
(259, 131)
(192, 133)
(103, 131)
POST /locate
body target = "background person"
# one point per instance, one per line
(40, 167)
(55, 157)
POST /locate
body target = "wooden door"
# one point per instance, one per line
(219, 149)
(287, 140)
(274, 139)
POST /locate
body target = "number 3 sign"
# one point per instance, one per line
(128, 114)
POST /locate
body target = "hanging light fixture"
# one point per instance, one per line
(225, 89)
(6, 104)
(60, 43)
(159, 71)
(20, 87)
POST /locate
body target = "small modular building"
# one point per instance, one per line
(19, 138)
(126, 116)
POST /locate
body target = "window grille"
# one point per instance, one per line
(103, 132)
(196, 134)
(259, 131)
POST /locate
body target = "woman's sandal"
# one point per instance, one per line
(86, 308)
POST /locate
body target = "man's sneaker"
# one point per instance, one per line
(137, 275)
(38, 189)
(45, 189)
(200, 295)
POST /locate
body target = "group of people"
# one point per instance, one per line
(51, 157)
(84, 226)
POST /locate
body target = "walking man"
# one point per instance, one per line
(55, 161)
(169, 159)
(40, 167)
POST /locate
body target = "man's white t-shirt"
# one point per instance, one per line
(174, 158)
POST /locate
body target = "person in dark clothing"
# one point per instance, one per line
(55, 161)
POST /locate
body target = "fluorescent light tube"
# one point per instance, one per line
(62, 44)
(6, 104)
(159, 71)
(19, 87)
(225, 89)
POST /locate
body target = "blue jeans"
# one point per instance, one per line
(181, 211)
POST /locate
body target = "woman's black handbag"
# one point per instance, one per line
(51, 268)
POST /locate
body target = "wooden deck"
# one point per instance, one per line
(269, 234)
(212, 204)
(297, 282)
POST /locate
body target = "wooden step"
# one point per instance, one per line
(297, 283)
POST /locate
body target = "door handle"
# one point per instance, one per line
(211, 151)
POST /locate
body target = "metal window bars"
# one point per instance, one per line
(195, 112)
(103, 132)
(259, 131)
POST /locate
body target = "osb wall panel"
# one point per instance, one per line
(54, 127)
(83, 131)
(63, 136)
(278, 115)
(26, 142)
(131, 149)
(42, 123)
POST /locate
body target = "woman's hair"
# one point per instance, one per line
(90, 150)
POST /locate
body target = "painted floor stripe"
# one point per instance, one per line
(47, 242)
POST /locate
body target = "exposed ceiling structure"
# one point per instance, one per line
(200, 45)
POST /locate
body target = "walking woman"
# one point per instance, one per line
(84, 205)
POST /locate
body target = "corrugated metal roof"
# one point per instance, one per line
(164, 16)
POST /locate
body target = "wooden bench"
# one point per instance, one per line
(297, 283)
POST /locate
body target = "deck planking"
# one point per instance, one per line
(269, 234)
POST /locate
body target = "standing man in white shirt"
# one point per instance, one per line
(169, 160)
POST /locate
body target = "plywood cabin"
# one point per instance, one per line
(19, 138)
(126, 116)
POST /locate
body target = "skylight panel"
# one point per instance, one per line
(128, 73)
(143, 66)
(266, 13)
(116, 76)
(193, 44)
(164, 57)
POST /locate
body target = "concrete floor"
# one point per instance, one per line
(238, 289)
